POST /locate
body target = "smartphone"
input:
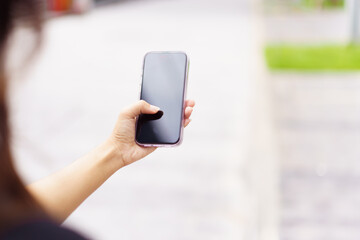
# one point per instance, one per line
(164, 82)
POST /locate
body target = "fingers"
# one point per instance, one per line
(140, 107)
(190, 103)
(189, 107)
(188, 111)
(187, 121)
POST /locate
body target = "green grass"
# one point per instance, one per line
(325, 4)
(313, 58)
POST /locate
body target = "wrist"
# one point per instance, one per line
(110, 156)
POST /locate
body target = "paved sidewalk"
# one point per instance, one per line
(90, 69)
(318, 121)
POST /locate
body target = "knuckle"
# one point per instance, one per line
(121, 115)
(143, 103)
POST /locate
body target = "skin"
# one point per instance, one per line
(61, 193)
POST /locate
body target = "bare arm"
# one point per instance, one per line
(61, 193)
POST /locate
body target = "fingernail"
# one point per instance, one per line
(154, 108)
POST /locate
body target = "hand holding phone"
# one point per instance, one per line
(126, 137)
(122, 138)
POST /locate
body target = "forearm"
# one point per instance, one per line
(61, 193)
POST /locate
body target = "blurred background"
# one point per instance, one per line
(273, 148)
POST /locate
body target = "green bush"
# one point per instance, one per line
(313, 58)
(323, 3)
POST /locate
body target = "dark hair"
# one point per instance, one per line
(16, 203)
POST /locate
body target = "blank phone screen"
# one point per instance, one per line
(163, 85)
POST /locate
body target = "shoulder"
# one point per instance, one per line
(41, 230)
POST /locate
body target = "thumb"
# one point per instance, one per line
(141, 107)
